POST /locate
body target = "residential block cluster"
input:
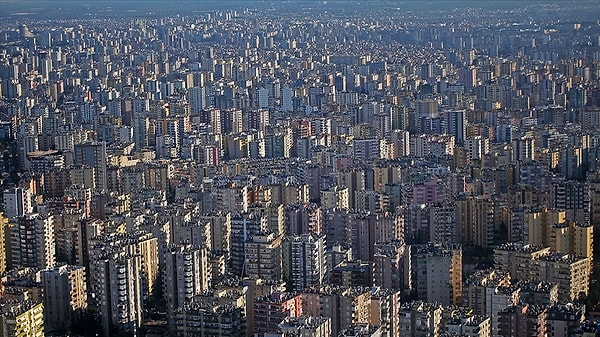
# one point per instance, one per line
(301, 169)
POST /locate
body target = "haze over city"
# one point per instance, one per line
(299, 168)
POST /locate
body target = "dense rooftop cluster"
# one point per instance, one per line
(300, 168)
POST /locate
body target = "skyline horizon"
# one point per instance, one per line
(35, 9)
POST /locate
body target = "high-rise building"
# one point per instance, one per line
(129, 248)
(442, 222)
(488, 292)
(524, 148)
(352, 274)
(17, 202)
(82, 176)
(274, 216)
(483, 226)
(537, 223)
(308, 265)
(141, 131)
(22, 319)
(436, 272)
(593, 182)
(65, 295)
(345, 306)
(471, 326)
(264, 257)
(529, 262)
(116, 285)
(170, 127)
(197, 99)
(564, 320)
(232, 121)
(243, 227)
(468, 77)
(220, 230)
(385, 311)
(191, 232)
(32, 241)
(210, 320)
(70, 236)
(515, 257)
(573, 197)
(361, 330)
(456, 125)
(93, 154)
(571, 273)
(257, 119)
(535, 292)
(303, 219)
(264, 98)
(272, 309)
(476, 287)
(522, 320)
(388, 265)
(572, 238)
(306, 326)
(286, 99)
(230, 198)
(400, 143)
(366, 149)
(186, 275)
(420, 319)
(277, 145)
(335, 197)
(477, 147)
(289, 193)
(3, 244)
(362, 233)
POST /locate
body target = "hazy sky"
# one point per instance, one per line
(107, 8)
